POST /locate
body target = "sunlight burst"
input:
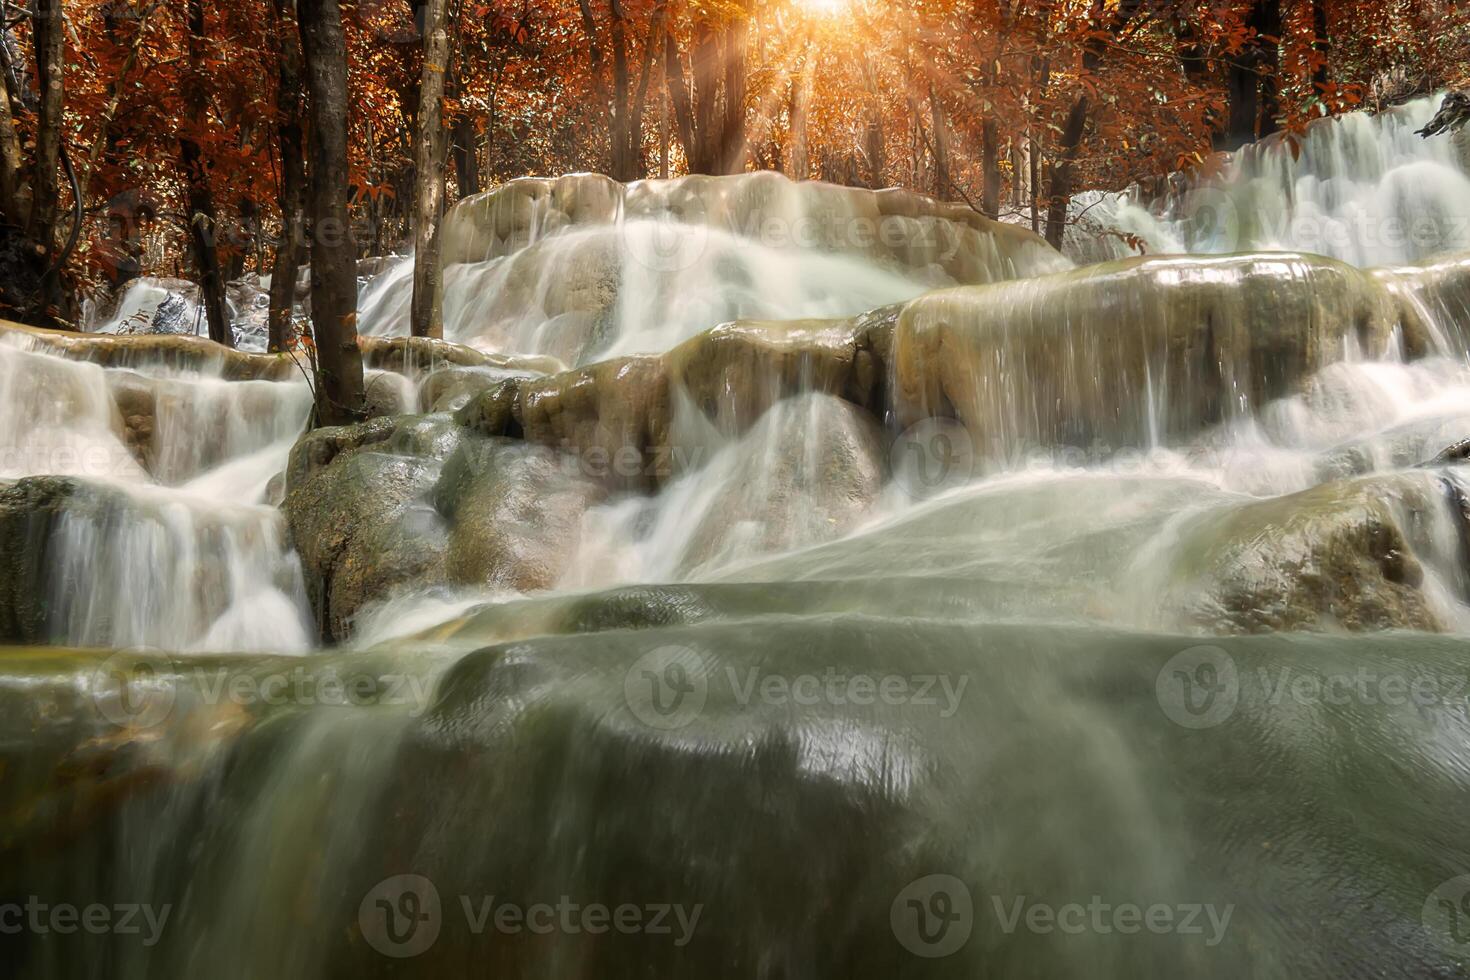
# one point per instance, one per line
(825, 8)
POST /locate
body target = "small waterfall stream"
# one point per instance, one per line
(969, 577)
(1360, 188)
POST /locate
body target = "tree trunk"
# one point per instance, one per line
(340, 394)
(705, 70)
(1321, 45)
(678, 91)
(733, 146)
(293, 175)
(430, 150)
(1251, 81)
(990, 165)
(49, 35)
(10, 159)
(201, 216)
(800, 157)
(1062, 174)
(942, 184)
(620, 103)
(1269, 66)
(874, 143)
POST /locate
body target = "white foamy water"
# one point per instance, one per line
(167, 542)
(1364, 189)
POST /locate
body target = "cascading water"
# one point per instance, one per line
(162, 538)
(600, 272)
(1360, 188)
(1137, 586)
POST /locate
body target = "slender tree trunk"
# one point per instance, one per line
(800, 166)
(1321, 45)
(339, 390)
(1062, 174)
(466, 157)
(49, 36)
(942, 183)
(990, 165)
(705, 70)
(289, 138)
(678, 90)
(430, 150)
(1034, 183)
(203, 227)
(620, 103)
(734, 147)
(663, 134)
(10, 159)
(874, 143)
(1269, 71)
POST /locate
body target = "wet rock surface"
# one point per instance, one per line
(360, 518)
(29, 511)
(1342, 557)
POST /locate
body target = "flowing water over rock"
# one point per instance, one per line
(748, 605)
(1361, 188)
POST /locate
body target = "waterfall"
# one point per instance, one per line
(786, 561)
(584, 270)
(164, 539)
(1361, 188)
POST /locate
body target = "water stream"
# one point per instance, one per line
(1058, 613)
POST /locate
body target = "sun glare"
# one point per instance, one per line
(824, 8)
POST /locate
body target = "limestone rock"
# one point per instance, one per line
(1127, 350)
(1341, 557)
(358, 509)
(29, 510)
(450, 389)
(903, 228)
(515, 513)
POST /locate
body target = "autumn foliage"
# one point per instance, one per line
(1004, 104)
